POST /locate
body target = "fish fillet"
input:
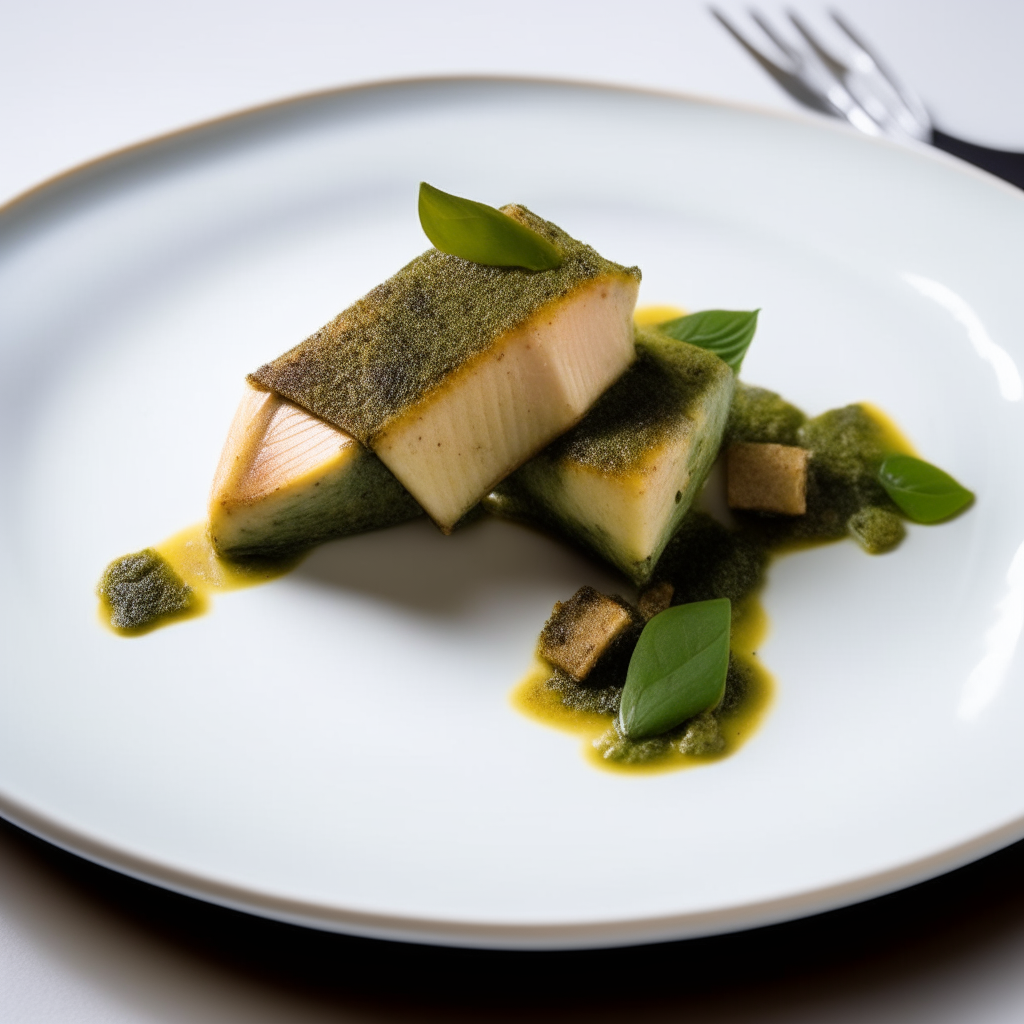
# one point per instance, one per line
(455, 373)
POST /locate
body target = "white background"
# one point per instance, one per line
(76, 944)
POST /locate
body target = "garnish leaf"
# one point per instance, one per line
(728, 333)
(482, 234)
(678, 668)
(923, 492)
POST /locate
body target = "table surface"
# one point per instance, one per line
(79, 943)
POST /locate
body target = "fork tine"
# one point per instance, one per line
(800, 92)
(754, 52)
(783, 44)
(853, 37)
(837, 67)
(913, 102)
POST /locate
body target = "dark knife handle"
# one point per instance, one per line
(1008, 166)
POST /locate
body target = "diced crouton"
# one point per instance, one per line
(767, 478)
(655, 599)
(581, 630)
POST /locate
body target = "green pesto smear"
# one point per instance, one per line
(589, 710)
(175, 580)
(141, 590)
(705, 560)
(844, 497)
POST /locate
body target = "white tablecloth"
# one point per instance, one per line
(81, 944)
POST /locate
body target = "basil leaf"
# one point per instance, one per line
(725, 332)
(923, 492)
(678, 668)
(482, 234)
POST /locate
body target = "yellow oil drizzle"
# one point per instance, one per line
(192, 556)
(893, 439)
(649, 316)
(533, 698)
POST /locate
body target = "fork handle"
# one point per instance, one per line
(1005, 165)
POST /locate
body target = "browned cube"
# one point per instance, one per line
(767, 478)
(580, 630)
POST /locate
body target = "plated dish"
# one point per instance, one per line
(305, 753)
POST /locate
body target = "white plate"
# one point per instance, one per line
(337, 748)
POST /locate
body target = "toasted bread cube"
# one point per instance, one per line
(581, 630)
(767, 478)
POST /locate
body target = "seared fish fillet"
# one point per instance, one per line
(454, 373)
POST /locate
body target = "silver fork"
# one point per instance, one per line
(860, 89)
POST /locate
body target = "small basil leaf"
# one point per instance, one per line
(678, 668)
(725, 332)
(923, 491)
(482, 234)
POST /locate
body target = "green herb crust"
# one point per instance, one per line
(363, 495)
(402, 340)
(141, 589)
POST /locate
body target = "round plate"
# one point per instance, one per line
(337, 748)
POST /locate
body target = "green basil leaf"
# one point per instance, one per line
(924, 492)
(482, 234)
(678, 668)
(725, 332)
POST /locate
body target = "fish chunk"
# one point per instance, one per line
(454, 373)
(288, 481)
(621, 481)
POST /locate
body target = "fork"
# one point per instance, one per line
(861, 90)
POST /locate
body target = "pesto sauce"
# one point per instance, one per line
(175, 580)
(140, 589)
(705, 560)
(589, 712)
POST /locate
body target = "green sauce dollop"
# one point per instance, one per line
(141, 589)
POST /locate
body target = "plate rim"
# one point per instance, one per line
(107, 161)
(556, 936)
